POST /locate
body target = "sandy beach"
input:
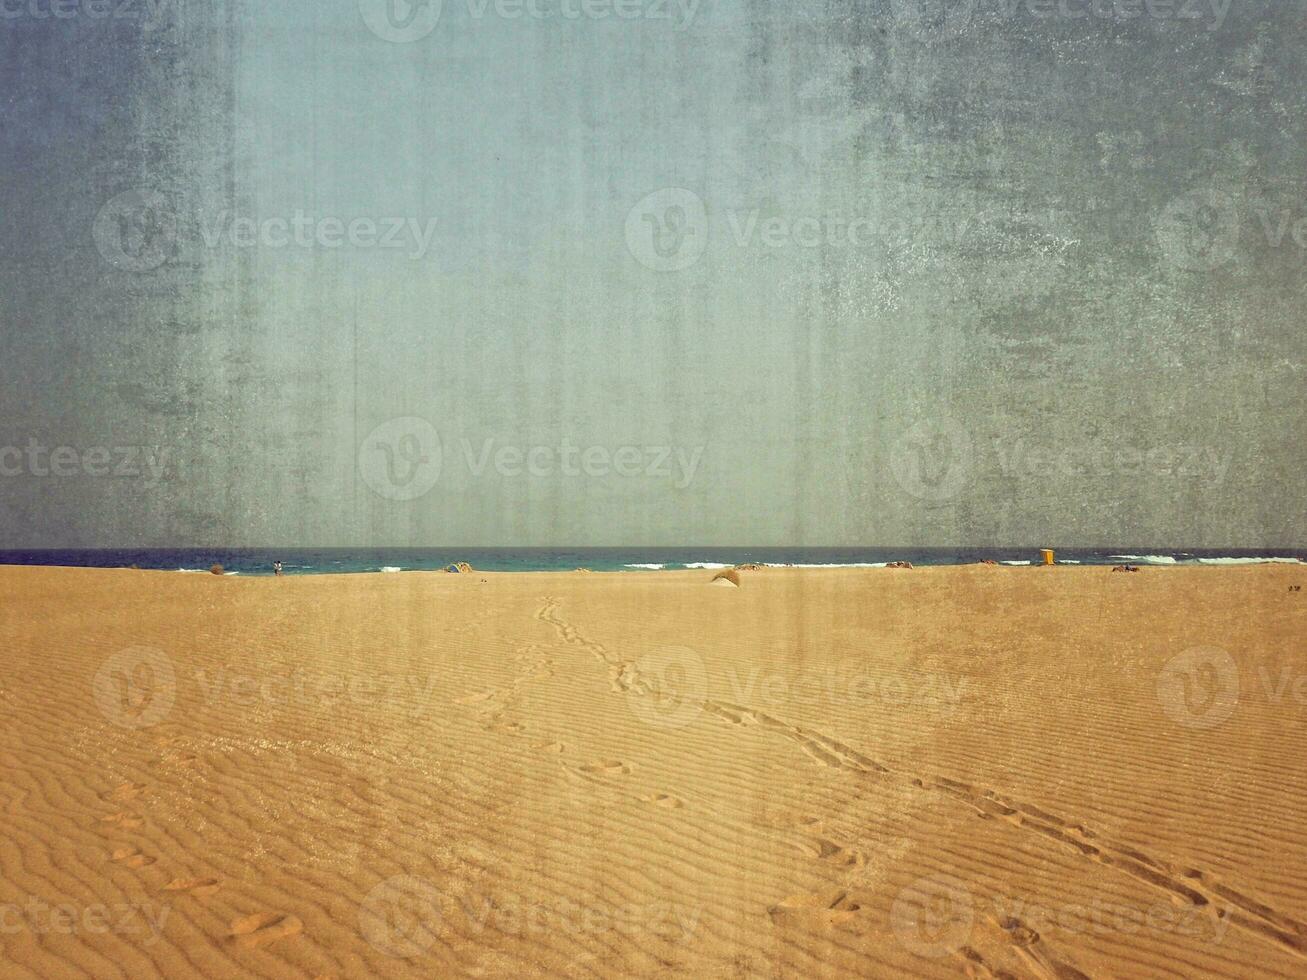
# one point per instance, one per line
(932, 772)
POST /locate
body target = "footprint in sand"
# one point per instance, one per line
(664, 800)
(131, 857)
(607, 768)
(262, 928)
(832, 907)
(1034, 951)
(555, 747)
(783, 819)
(595, 772)
(476, 698)
(845, 857)
(196, 886)
(121, 819)
(507, 728)
(125, 791)
(723, 712)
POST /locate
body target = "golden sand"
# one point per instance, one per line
(822, 773)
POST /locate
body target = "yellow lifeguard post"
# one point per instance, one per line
(1047, 555)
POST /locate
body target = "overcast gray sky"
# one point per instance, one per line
(592, 272)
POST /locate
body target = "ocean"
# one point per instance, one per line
(326, 561)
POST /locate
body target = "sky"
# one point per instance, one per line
(662, 272)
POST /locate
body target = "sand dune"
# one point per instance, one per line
(940, 772)
(728, 576)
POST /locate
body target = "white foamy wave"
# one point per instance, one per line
(653, 565)
(1250, 561)
(391, 568)
(1145, 559)
(1067, 561)
(193, 571)
(707, 564)
(1014, 563)
(231, 573)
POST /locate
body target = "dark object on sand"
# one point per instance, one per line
(459, 566)
(1126, 568)
(988, 561)
(216, 569)
(899, 564)
(749, 566)
(276, 569)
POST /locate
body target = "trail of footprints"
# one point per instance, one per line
(621, 673)
(837, 907)
(493, 704)
(1190, 886)
(248, 931)
(1030, 949)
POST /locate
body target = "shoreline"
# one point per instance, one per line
(705, 574)
(250, 562)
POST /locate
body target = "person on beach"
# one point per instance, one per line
(276, 569)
